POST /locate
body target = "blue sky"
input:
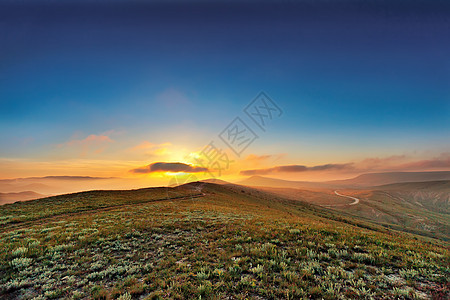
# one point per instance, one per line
(354, 80)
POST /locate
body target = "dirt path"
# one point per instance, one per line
(356, 200)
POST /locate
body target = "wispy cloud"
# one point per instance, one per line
(441, 162)
(143, 146)
(253, 158)
(384, 162)
(390, 163)
(151, 149)
(297, 169)
(92, 143)
(258, 158)
(168, 167)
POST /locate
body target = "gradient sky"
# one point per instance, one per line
(104, 87)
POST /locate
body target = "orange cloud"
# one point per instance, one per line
(377, 162)
(404, 163)
(257, 158)
(391, 163)
(142, 146)
(95, 143)
(90, 139)
(442, 162)
(151, 149)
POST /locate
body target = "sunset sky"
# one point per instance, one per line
(109, 89)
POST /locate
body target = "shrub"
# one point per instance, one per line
(19, 251)
(125, 296)
(363, 258)
(20, 263)
(408, 273)
(258, 269)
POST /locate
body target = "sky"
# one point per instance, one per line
(139, 89)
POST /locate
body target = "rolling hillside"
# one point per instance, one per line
(260, 181)
(419, 207)
(208, 241)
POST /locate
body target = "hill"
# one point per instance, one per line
(260, 181)
(216, 181)
(21, 196)
(52, 185)
(441, 185)
(418, 207)
(375, 179)
(209, 241)
(361, 181)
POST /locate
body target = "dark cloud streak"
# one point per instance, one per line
(168, 167)
(392, 163)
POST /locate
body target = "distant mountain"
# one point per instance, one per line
(375, 179)
(20, 187)
(72, 177)
(28, 179)
(54, 184)
(216, 181)
(441, 185)
(280, 183)
(21, 196)
(364, 180)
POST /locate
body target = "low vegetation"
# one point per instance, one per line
(225, 243)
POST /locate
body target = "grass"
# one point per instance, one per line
(231, 243)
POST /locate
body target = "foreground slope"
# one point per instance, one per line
(210, 241)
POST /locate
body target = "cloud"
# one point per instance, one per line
(442, 162)
(151, 149)
(96, 143)
(297, 169)
(168, 167)
(377, 162)
(386, 164)
(258, 158)
(142, 146)
(404, 163)
(90, 139)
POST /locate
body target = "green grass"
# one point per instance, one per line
(420, 208)
(233, 242)
(20, 212)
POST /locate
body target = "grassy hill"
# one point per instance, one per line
(261, 181)
(207, 241)
(418, 207)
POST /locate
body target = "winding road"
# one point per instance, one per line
(355, 200)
